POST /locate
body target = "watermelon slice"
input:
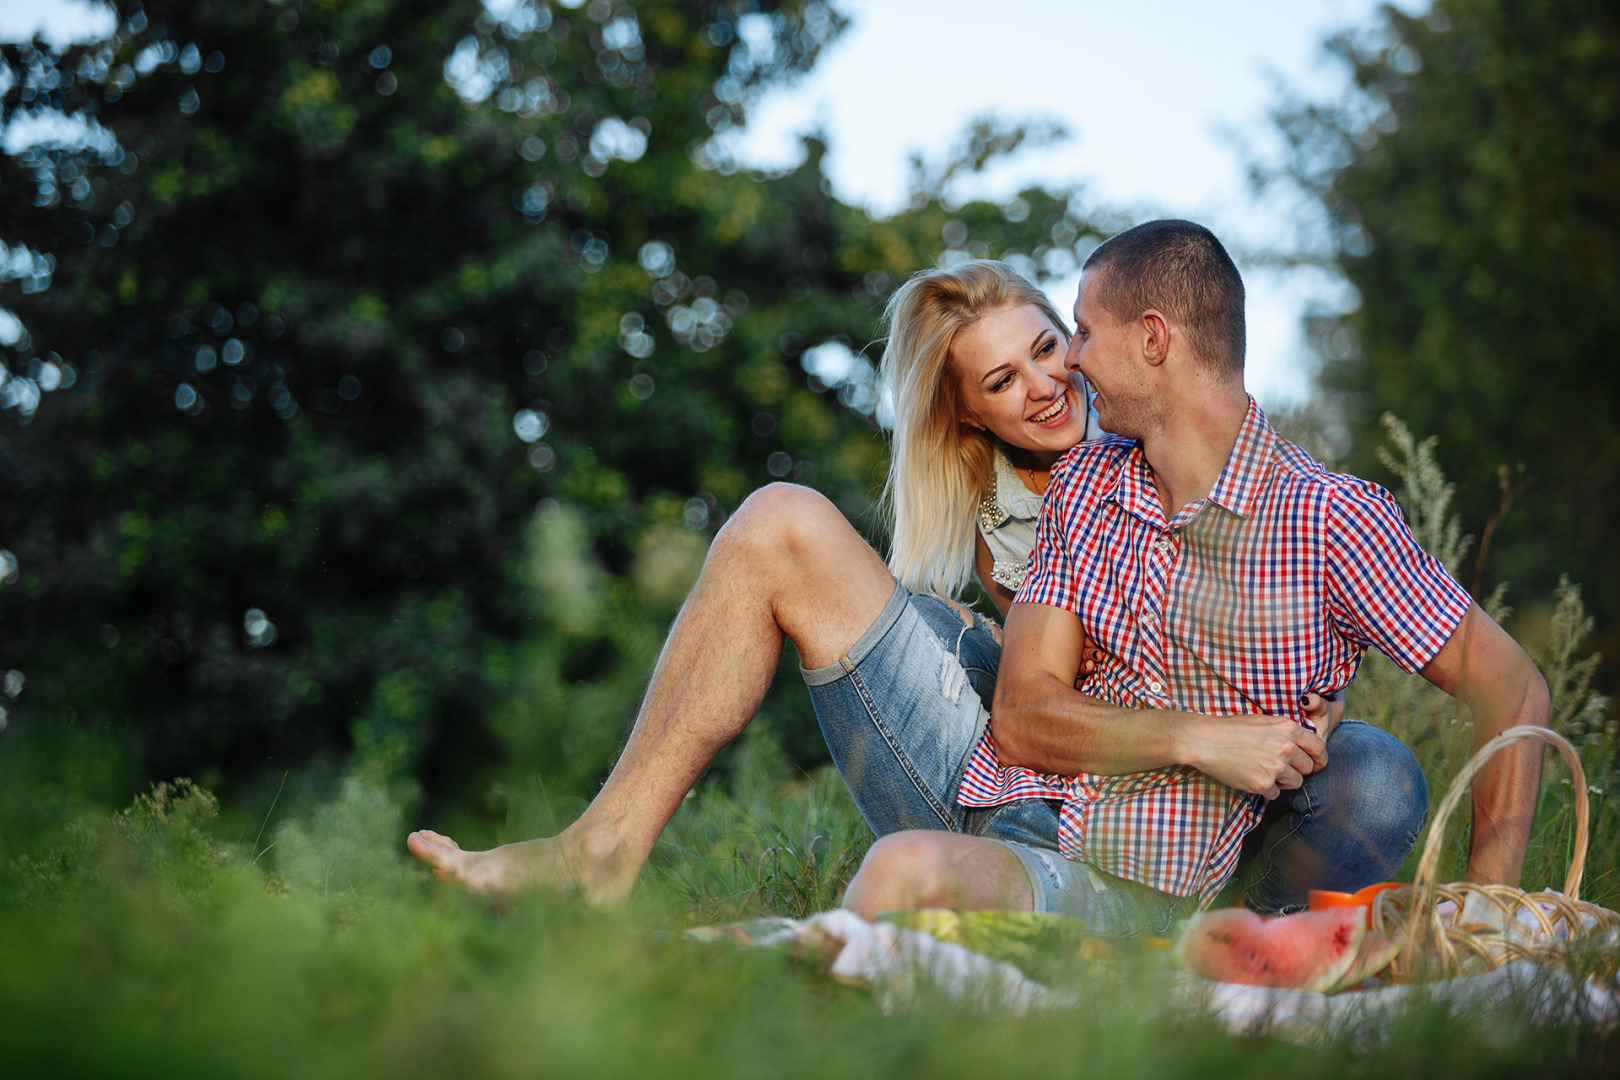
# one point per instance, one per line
(1310, 950)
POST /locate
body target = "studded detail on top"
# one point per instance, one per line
(1010, 575)
(991, 513)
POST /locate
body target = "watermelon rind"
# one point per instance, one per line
(1376, 953)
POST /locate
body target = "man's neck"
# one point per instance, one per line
(1188, 453)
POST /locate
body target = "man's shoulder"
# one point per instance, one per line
(1105, 453)
(1335, 488)
(1357, 519)
(1089, 469)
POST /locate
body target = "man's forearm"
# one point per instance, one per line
(1485, 669)
(1050, 727)
(1506, 790)
(1042, 723)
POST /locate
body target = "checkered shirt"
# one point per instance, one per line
(1272, 587)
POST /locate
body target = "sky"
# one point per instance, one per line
(1166, 102)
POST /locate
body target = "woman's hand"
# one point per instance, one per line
(1323, 713)
(1091, 658)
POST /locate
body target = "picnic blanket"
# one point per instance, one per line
(896, 963)
(902, 964)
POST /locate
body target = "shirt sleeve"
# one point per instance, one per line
(1384, 590)
(1051, 578)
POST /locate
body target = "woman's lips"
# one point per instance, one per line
(1053, 412)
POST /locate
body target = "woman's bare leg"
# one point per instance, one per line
(786, 564)
(927, 869)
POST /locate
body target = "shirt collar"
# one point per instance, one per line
(1243, 476)
(1236, 489)
(1134, 490)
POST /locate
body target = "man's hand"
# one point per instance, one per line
(1259, 754)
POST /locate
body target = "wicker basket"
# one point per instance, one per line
(1564, 925)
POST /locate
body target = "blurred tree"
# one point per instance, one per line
(1473, 195)
(327, 299)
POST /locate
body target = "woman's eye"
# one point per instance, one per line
(1001, 384)
(1047, 348)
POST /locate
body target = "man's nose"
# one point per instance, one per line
(1071, 356)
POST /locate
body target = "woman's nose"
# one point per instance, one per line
(1046, 384)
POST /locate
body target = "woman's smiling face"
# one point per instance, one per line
(1014, 383)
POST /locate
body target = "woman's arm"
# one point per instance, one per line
(983, 563)
(1002, 597)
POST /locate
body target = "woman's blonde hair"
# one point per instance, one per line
(939, 467)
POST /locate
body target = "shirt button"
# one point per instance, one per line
(1162, 544)
(1155, 686)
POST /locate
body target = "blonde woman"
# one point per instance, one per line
(900, 675)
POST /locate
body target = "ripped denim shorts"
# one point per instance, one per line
(901, 712)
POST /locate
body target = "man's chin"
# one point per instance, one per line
(1133, 421)
(1116, 425)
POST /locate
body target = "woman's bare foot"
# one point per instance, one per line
(592, 862)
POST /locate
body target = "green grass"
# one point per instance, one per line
(148, 943)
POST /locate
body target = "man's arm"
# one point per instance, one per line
(1040, 721)
(1485, 669)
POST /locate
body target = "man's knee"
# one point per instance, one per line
(1373, 780)
(911, 870)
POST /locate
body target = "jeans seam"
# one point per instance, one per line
(875, 715)
(1251, 890)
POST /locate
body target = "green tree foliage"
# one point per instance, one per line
(331, 297)
(1473, 189)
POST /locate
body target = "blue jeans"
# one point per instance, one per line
(904, 708)
(1350, 825)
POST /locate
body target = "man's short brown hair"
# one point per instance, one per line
(1179, 268)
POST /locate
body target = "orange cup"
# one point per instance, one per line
(1321, 899)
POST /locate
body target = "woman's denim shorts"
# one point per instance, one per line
(901, 713)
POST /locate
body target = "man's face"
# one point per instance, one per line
(1108, 353)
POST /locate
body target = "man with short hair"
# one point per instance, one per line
(1226, 574)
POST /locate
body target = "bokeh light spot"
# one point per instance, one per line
(258, 629)
(529, 425)
(542, 457)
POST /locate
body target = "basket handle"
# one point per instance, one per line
(1424, 880)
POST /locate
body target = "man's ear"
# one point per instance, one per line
(1155, 329)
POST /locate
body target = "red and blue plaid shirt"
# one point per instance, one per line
(1272, 587)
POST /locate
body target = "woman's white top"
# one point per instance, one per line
(1007, 516)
